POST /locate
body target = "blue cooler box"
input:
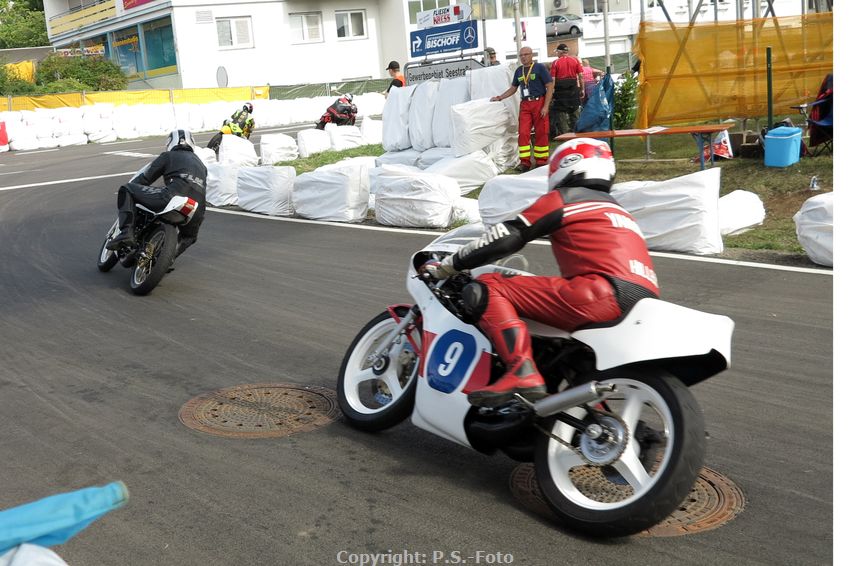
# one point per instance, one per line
(782, 146)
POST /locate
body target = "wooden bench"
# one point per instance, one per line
(701, 134)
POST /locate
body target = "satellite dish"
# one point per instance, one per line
(221, 77)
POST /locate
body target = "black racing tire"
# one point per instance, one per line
(156, 254)
(367, 401)
(108, 258)
(654, 481)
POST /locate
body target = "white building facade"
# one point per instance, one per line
(209, 43)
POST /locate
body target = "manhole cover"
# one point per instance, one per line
(713, 501)
(260, 411)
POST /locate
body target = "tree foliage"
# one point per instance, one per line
(21, 25)
(625, 101)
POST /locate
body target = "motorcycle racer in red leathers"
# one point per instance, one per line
(601, 253)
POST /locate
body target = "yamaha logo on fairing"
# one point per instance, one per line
(570, 160)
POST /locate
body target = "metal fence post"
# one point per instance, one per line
(10, 103)
(171, 96)
(83, 98)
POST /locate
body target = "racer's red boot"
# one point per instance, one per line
(511, 341)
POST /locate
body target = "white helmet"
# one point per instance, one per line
(179, 137)
(582, 162)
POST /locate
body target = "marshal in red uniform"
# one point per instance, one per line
(602, 255)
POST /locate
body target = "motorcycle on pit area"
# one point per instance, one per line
(619, 442)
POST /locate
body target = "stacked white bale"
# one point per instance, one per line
(814, 223)
(266, 190)
(221, 185)
(505, 196)
(493, 81)
(312, 141)
(404, 157)
(465, 210)
(338, 192)
(275, 148)
(371, 130)
(470, 171)
(344, 137)
(421, 115)
(680, 214)
(477, 124)
(396, 133)
(432, 156)
(740, 211)
(451, 92)
(206, 155)
(237, 152)
(98, 123)
(125, 122)
(414, 198)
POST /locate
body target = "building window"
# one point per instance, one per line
(234, 33)
(351, 24)
(416, 6)
(595, 6)
(484, 10)
(96, 46)
(306, 28)
(527, 8)
(159, 47)
(128, 54)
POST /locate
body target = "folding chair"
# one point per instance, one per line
(819, 119)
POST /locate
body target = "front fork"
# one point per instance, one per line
(405, 325)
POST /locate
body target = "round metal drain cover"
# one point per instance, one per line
(713, 501)
(261, 411)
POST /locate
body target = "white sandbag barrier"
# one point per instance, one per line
(505, 152)
(334, 195)
(103, 137)
(814, 223)
(680, 214)
(206, 155)
(493, 81)
(236, 151)
(505, 196)
(740, 211)
(477, 124)
(465, 210)
(344, 137)
(433, 155)
(372, 131)
(312, 141)
(451, 92)
(221, 185)
(414, 199)
(422, 115)
(275, 148)
(396, 134)
(470, 171)
(405, 157)
(266, 190)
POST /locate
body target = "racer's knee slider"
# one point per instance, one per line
(475, 297)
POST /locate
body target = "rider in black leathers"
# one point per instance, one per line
(184, 175)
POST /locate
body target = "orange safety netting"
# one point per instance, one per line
(719, 70)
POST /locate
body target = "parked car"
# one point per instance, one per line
(563, 24)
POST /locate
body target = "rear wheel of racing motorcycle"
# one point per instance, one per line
(635, 476)
(378, 393)
(156, 254)
(108, 258)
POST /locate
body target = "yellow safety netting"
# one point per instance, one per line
(719, 71)
(161, 96)
(25, 70)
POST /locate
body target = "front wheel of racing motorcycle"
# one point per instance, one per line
(633, 467)
(108, 258)
(376, 390)
(156, 254)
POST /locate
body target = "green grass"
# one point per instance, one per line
(782, 191)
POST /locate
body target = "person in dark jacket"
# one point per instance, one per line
(241, 124)
(184, 174)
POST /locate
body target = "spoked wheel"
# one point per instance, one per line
(634, 464)
(376, 390)
(108, 258)
(155, 256)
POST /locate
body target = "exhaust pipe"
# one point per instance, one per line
(572, 397)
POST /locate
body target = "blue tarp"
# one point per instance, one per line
(55, 519)
(596, 113)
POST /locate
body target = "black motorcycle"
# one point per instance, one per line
(343, 112)
(156, 236)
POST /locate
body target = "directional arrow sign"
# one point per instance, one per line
(443, 39)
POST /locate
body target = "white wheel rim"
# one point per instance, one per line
(104, 253)
(634, 401)
(359, 373)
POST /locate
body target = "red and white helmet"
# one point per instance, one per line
(582, 162)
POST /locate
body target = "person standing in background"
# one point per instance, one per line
(590, 76)
(398, 78)
(569, 88)
(490, 53)
(536, 86)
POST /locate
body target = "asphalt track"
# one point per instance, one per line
(92, 379)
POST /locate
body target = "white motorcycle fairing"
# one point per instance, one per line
(179, 210)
